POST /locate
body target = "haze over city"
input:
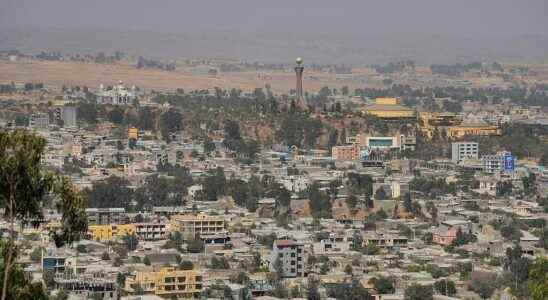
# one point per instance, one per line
(271, 150)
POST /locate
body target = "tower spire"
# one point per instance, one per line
(299, 98)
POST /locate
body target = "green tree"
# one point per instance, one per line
(195, 245)
(538, 279)
(170, 121)
(105, 256)
(24, 183)
(445, 287)
(209, 146)
(116, 115)
(186, 265)
(112, 192)
(419, 292)
(383, 285)
(482, 283)
(130, 242)
(380, 194)
(36, 254)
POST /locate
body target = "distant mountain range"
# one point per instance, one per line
(283, 47)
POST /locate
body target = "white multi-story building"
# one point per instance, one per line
(39, 121)
(464, 150)
(117, 95)
(290, 254)
(502, 161)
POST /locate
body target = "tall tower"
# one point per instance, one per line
(299, 99)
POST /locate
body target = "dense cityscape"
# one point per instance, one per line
(131, 176)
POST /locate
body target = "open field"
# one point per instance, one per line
(56, 74)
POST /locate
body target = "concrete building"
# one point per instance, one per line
(502, 161)
(382, 142)
(110, 232)
(106, 216)
(69, 116)
(464, 150)
(346, 152)
(167, 282)
(290, 254)
(117, 94)
(386, 241)
(151, 231)
(88, 288)
(39, 121)
(190, 225)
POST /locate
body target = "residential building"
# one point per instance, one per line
(191, 224)
(502, 161)
(69, 116)
(386, 241)
(150, 231)
(88, 288)
(39, 121)
(444, 236)
(106, 216)
(55, 263)
(167, 282)
(464, 150)
(109, 232)
(289, 254)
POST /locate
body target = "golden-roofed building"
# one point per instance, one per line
(388, 108)
(167, 282)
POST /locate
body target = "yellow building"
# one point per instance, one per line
(432, 119)
(386, 101)
(190, 224)
(133, 133)
(472, 129)
(167, 282)
(388, 108)
(109, 232)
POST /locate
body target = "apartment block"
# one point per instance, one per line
(291, 256)
(167, 282)
(106, 216)
(464, 150)
(192, 224)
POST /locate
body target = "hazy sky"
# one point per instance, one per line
(352, 17)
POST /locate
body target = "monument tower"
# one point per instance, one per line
(299, 98)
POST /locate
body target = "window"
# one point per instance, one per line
(293, 254)
(292, 270)
(181, 279)
(292, 262)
